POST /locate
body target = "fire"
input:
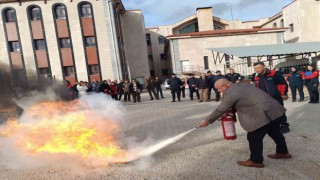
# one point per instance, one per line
(66, 128)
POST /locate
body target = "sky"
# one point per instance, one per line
(165, 12)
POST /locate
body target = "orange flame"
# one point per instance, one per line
(69, 128)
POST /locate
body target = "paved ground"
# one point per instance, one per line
(203, 154)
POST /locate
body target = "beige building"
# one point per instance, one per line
(188, 41)
(72, 40)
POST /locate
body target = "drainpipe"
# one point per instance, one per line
(173, 56)
(111, 17)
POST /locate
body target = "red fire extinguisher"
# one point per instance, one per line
(228, 125)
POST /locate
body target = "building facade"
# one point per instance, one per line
(73, 40)
(188, 40)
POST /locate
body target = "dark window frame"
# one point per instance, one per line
(60, 12)
(10, 15)
(163, 56)
(165, 72)
(65, 42)
(94, 69)
(291, 26)
(86, 10)
(40, 44)
(14, 46)
(35, 13)
(69, 71)
(206, 62)
(90, 41)
(161, 39)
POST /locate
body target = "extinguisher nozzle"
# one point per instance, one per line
(198, 127)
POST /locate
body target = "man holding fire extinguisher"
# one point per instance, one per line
(258, 115)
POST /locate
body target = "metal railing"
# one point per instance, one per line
(192, 69)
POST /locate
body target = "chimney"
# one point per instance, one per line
(205, 20)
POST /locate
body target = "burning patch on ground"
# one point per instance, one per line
(75, 131)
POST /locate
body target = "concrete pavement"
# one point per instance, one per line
(203, 154)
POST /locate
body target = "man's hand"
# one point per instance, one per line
(285, 97)
(203, 124)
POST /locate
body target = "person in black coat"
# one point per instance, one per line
(234, 77)
(175, 87)
(215, 79)
(295, 82)
(211, 84)
(157, 83)
(192, 83)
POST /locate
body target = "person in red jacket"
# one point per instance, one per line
(311, 78)
(273, 83)
(113, 90)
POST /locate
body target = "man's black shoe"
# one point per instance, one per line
(284, 129)
(173, 101)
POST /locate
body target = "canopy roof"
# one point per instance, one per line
(270, 50)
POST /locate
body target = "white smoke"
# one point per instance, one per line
(101, 107)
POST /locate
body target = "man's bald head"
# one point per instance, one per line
(222, 84)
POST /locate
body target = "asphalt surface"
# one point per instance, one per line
(203, 154)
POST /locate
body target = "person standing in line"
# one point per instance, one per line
(311, 78)
(295, 83)
(258, 114)
(192, 82)
(151, 89)
(273, 83)
(215, 79)
(175, 87)
(113, 90)
(126, 91)
(234, 77)
(211, 83)
(82, 89)
(95, 85)
(135, 89)
(120, 90)
(183, 88)
(202, 85)
(158, 83)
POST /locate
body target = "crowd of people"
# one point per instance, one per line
(270, 81)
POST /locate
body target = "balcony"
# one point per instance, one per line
(192, 69)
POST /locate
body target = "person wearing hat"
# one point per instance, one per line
(215, 79)
(311, 78)
(295, 83)
(175, 87)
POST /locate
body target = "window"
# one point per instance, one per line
(14, 46)
(165, 72)
(90, 41)
(274, 25)
(69, 71)
(206, 62)
(40, 44)
(148, 38)
(10, 15)
(282, 23)
(60, 12)
(163, 56)
(189, 28)
(162, 40)
(43, 71)
(35, 14)
(150, 57)
(65, 43)
(215, 27)
(94, 69)
(291, 28)
(86, 10)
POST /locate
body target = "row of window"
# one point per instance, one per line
(60, 13)
(161, 39)
(70, 70)
(162, 56)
